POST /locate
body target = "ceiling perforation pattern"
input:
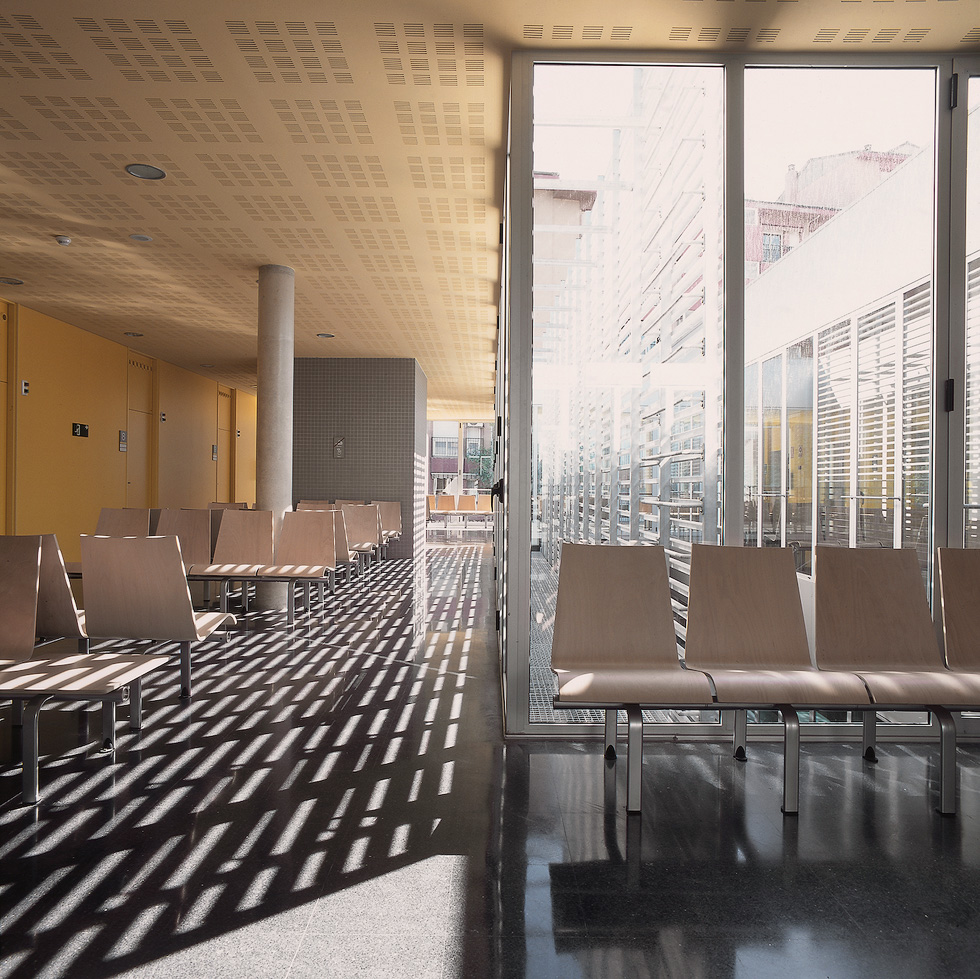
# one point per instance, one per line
(435, 124)
(347, 171)
(187, 207)
(48, 169)
(275, 207)
(78, 118)
(447, 55)
(442, 173)
(363, 145)
(206, 120)
(293, 53)
(245, 170)
(28, 51)
(145, 50)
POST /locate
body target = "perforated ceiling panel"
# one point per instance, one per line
(360, 144)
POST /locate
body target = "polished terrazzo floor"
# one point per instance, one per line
(335, 802)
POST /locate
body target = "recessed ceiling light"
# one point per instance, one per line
(207, 365)
(132, 333)
(141, 238)
(326, 336)
(145, 171)
(8, 280)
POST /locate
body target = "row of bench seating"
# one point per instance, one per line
(136, 587)
(746, 646)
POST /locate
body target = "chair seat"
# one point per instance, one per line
(930, 687)
(292, 571)
(76, 675)
(663, 687)
(206, 622)
(813, 686)
(222, 570)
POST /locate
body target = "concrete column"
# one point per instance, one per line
(274, 407)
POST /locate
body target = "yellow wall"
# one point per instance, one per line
(57, 482)
(186, 472)
(61, 481)
(244, 448)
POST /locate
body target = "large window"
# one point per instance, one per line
(627, 313)
(843, 161)
(730, 320)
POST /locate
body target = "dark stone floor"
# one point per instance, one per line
(337, 803)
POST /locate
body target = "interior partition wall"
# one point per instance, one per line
(707, 344)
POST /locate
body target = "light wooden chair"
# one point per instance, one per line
(614, 643)
(193, 529)
(136, 589)
(341, 503)
(305, 552)
(745, 630)
(391, 522)
(872, 617)
(30, 681)
(344, 557)
(959, 585)
(446, 504)
(316, 505)
(466, 503)
(58, 617)
(244, 543)
(363, 525)
(227, 506)
(116, 522)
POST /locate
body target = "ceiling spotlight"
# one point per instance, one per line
(141, 238)
(207, 365)
(132, 333)
(8, 280)
(145, 171)
(326, 336)
(62, 239)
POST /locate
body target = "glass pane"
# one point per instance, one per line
(972, 468)
(751, 455)
(772, 452)
(799, 453)
(840, 187)
(627, 323)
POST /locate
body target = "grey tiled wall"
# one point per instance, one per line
(377, 406)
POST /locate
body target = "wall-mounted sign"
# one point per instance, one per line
(77, 428)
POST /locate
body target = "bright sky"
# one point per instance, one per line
(791, 116)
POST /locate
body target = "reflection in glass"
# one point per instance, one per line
(972, 462)
(627, 321)
(839, 176)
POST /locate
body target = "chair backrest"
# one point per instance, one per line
(227, 506)
(20, 570)
(431, 501)
(744, 610)
(446, 502)
(613, 608)
(316, 505)
(363, 524)
(959, 586)
(466, 502)
(135, 588)
(123, 522)
(306, 539)
(350, 503)
(341, 547)
(57, 613)
(391, 515)
(193, 529)
(484, 503)
(872, 612)
(244, 537)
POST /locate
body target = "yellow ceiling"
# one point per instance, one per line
(361, 144)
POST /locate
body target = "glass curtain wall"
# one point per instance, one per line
(627, 324)
(618, 295)
(971, 536)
